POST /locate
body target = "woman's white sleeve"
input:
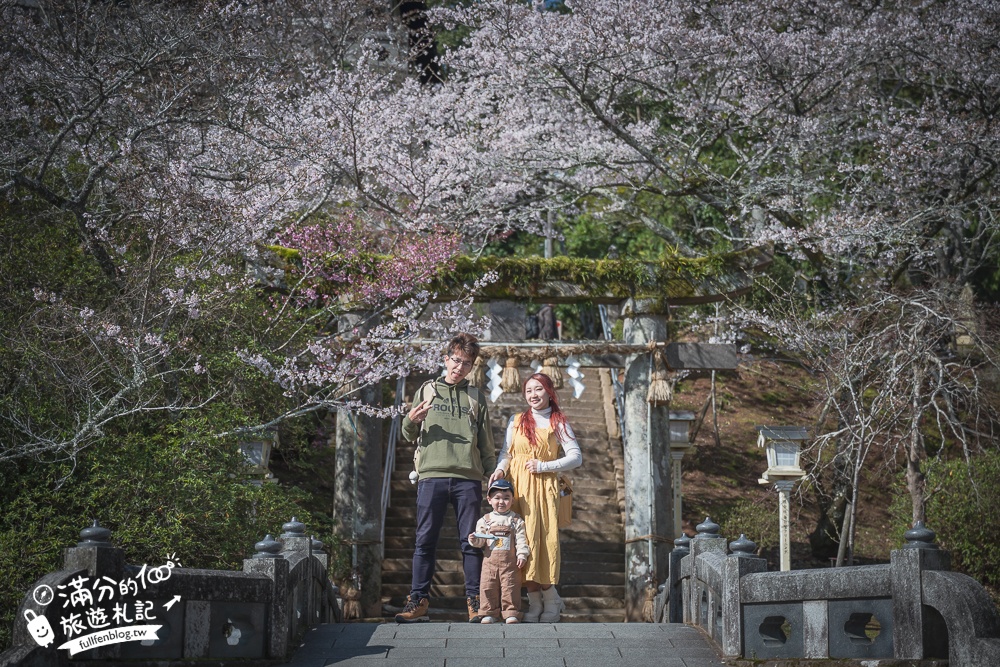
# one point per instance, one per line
(572, 456)
(503, 461)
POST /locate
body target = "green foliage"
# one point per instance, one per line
(987, 281)
(168, 488)
(44, 252)
(780, 279)
(757, 520)
(515, 244)
(963, 511)
(593, 237)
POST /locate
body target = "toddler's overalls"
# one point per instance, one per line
(500, 582)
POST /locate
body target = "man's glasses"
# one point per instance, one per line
(461, 363)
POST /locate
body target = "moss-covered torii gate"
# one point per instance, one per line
(644, 292)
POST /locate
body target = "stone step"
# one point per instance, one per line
(583, 543)
(611, 585)
(400, 488)
(592, 485)
(586, 513)
(404, 493)
(603, 503)
(588, 562)
(594, 474)
(571, 548)
(593, 616)
(603, 573)
(582, 560)
(574, 582)
(438, 614)
(592, 449)
(586, 527)
(453, 597)
(575, 534)
(579, 532)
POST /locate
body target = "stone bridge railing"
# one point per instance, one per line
(100, 604)
(914, 608)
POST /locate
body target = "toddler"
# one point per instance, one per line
(504, 554)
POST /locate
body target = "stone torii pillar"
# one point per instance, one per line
(357, 492)
(648, 501)
(649, 497)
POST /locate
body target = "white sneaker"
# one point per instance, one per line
(488, 619)
(511, 620)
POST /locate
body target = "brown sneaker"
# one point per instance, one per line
(472, 602)
(413, 611)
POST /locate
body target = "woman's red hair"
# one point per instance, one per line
(557, 420)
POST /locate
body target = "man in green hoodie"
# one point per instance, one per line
(456, 453)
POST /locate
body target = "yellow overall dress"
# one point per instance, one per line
(536, 498)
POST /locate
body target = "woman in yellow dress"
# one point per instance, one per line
(530, 460)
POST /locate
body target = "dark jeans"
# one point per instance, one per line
(433, 497)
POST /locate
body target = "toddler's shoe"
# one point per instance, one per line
(511, 620)
(488, 619)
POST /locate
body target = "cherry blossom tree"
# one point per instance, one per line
(147, 163)
(858, 138)
(182, 144)
(846, 132)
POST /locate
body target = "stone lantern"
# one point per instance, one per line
(680, 443)
(784, 450)
(257, 454)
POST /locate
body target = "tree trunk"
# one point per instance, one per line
(845, 529)
(825, 540)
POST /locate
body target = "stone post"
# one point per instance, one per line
(649, 526)
(906, 566)
(297, 546)
(740, 561)
(358, 485)
(318, 562)
(675, 594)
(268, 562)
(784, 488)
(96, 554)
(707, 540)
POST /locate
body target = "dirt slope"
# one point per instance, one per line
(717, 476)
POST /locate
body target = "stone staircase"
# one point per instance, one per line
(593, 550)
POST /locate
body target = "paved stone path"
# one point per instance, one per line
(524, 645)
